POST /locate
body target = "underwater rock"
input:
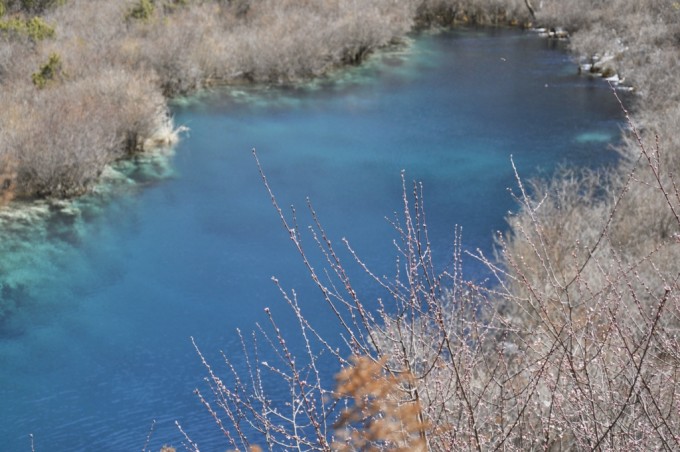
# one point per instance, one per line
(558, 33)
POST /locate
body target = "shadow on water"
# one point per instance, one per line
(13, 299)
(44, 243)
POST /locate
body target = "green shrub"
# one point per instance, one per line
(29, 6)
(35, 28)
(141, 11)
(172, 5)
(49, 72)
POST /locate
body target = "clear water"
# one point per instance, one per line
(99, 299)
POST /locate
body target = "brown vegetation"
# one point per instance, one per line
(474, 12)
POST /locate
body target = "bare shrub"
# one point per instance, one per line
(278, 41)
(17, 60)
(613, 299)
(638, 39)
(378, 418)
(89, 35)
(476, 12)
(62, 138)
(30, 6)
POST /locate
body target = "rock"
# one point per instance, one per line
(585, 68)
(558, 33)
(614, 79)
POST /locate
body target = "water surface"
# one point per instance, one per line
(98, 303)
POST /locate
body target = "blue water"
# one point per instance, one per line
(99, 299)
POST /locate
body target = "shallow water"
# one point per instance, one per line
(99, 299)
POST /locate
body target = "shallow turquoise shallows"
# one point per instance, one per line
(100, 298)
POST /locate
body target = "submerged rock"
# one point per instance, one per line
(558, 33)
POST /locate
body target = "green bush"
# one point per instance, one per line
(49, 72)
(35, 28)
(141, 11)
(172, 5)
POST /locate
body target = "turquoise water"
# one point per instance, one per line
(99, 298)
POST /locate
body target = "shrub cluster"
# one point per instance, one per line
(474, 12)
(29, 6)
(34, 28)
(90, 121)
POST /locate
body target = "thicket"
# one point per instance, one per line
(34, 28)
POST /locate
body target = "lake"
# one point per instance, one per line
(100, 297)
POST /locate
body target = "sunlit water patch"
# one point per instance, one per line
(594, 137)
(100, 297)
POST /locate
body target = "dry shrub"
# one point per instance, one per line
(379, 418)
(17, 59)
(276, 41)
(473, 12)
(638, 39)
(8, 179)
(89, 34)
(61, 137)
(607, 309)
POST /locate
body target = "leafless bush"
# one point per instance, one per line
(636, 39)
(428, 338)
(89, 35)
(611, 312)
(275, 42)
(475, 12)
(30, 6)
(61, 137)
(16, 59)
